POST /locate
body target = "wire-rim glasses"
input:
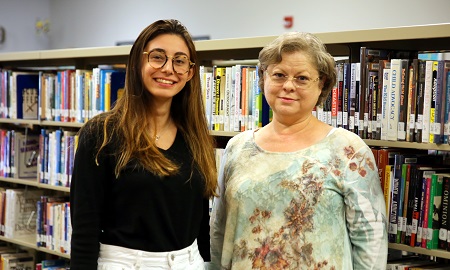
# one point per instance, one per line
(181, 64)
(301, 82)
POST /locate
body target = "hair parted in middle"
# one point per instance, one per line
(128, 119)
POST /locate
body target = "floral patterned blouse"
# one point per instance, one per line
(317, 208)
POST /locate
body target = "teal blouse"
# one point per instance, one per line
(317, 208)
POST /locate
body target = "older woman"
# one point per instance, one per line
(298, 193)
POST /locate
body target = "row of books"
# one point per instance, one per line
(380, 97)
(413, 262)
(53, 226)
(396, 99)
(17, 209)
(19, 152)
(232, 98)
(416, 187)
(34, 213)
(12, 259)
(56, 156)
(48, 156)
(69, 95)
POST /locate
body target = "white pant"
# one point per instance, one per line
(119, 258)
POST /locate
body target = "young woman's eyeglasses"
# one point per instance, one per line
(303, 82)
(180, 63)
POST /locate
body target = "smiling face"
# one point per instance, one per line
(163, 83)
(289, 100)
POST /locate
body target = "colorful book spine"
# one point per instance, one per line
(433, 212)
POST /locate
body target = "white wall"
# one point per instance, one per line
(18, 17)
(91, 23)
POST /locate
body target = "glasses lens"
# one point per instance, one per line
(181, 64)
(157, 59)
(299, 82)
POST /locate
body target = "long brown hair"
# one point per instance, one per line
(128, 119)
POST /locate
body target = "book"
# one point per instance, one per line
(21, 204)
(439, 99)
(446, 88)
(412, 96)
(433, 100)
(433, 213)
(385, 104)
(427, 101)
(444, 221)
(387, 191)
(24, 95)
(116, 88)
(2, 210)
(394, 100)
(354, 87)
(26, 155)
(346, 95)
(403, 101)
(420, 90)
(218, 76)
(372, 100)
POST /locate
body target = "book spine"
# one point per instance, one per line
(392, 236)
(420, 101)
(372, 82)
(412, 100)
(388, 188)
(410, 202)
(434, 216)
(427, 102)
(444, 221)
(433, 101)
(394, 99)
(374, 100)
(403, 100)
(423, 191)
(405, 195)
(227, 100)
(446, 86)
(385, 104)
(438, 129)
(217, 79)
(429, 214)
(237, 101)
(426, 207)
(346, 95)
(398, 165)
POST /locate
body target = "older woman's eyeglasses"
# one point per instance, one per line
(180, 63)
(303, 82)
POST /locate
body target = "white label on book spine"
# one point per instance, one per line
(442, 234)
(392, 228)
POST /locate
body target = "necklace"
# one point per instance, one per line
(158, 136)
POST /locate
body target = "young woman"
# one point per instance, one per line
(144, 171)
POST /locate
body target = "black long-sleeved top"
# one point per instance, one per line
(138, 210)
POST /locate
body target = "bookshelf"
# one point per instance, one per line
(344, 43)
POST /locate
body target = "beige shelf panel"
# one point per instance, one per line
(338, 43)
(30, 242)
(429, 252)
